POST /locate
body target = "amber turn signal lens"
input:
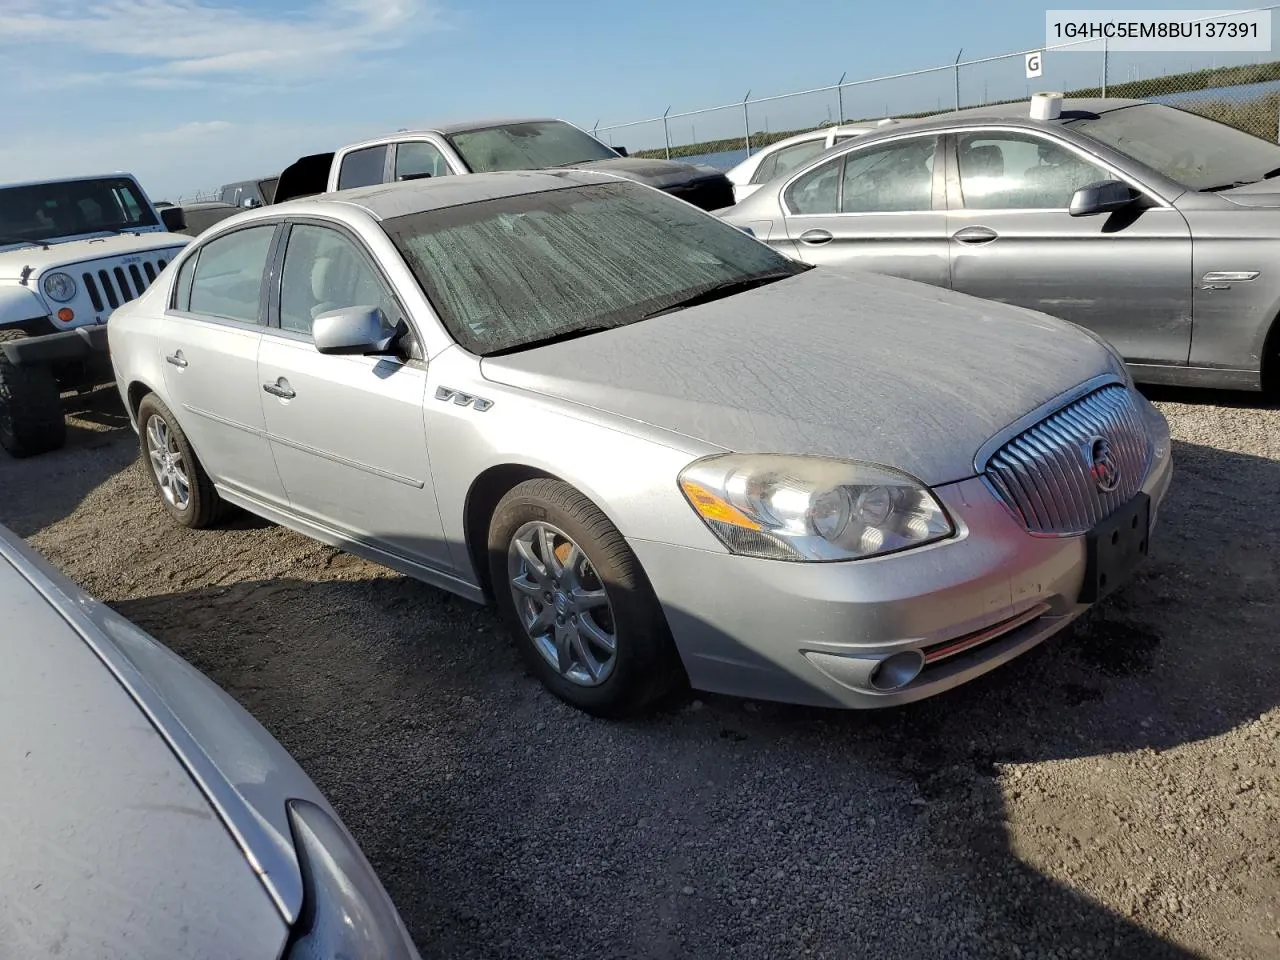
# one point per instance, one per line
(66, 315)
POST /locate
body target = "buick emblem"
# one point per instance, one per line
(1102, 465)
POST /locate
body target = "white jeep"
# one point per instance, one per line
(71, 251)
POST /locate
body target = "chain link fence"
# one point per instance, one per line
(1239, 89)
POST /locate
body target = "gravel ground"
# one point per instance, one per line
(1114, 793)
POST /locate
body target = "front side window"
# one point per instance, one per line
(323, 271)
(227, 279)
(47, 211)
(790, 158)
(527, 146)
(516, 271)
(417, 158)
(1020, 172)
(362, 168)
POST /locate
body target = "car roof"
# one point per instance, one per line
(87, 176)
(386, 200)
(448, 129)
(1018, 110)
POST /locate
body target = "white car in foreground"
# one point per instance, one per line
(786, 155)
(145, 814)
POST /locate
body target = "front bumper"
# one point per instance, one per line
(79, 343)
(813, 633)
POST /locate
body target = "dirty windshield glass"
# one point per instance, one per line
(45, 211)
(527, 146)
(1197, 152)
(522, 270)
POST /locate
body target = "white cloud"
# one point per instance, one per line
(179, 160)
(164, 42)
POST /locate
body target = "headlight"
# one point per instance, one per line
(59, 287)
(810, 508)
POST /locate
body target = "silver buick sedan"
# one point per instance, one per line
(667, 452)
(145, 815)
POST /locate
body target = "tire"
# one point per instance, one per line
(31, 417)
(645, 665)
(201, 506)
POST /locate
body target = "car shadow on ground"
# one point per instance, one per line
(41, 490)
(501, 820)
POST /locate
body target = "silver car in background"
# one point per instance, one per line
(780, 158)
(146, 815)
(1156, 228)
(665, 450)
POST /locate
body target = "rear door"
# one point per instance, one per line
(880, 208)
(209, 344)
(1126, 275)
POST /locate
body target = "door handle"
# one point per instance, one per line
(280, 389)
(816, 238)
(975, 235)
(176, 358)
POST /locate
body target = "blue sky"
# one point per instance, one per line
(189, 94)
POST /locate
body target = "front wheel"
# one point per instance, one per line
(31, 417)
(577, 602)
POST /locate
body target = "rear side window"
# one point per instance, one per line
(362, 168)
(788, 159)
(227, 279)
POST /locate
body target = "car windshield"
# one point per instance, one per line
(514, 272)
(1199, 153)
(527, 146)
(45, 211)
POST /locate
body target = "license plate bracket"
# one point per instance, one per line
(1115, 548)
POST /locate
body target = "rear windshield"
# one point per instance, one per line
(516, 271)
(1199, 153)
(527, 146)
(46, 211)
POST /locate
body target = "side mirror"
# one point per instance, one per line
(174, 220)
(250, 202)
(1105, 196)
(358, 331)
(413, 176)
(621, 151)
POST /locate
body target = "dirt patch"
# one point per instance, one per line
(1114, 793)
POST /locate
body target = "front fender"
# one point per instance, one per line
(19, 304)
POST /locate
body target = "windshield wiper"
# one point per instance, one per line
(573, 334)
(725, 289)
(1270, 174)
(34, 243)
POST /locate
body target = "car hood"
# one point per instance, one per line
(830, 363)
(110, 847)
(1264, 193)
(15, 258)
(248, 771)
(653, 173)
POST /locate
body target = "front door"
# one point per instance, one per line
(1125, 275)
(348, 432)
(209, 346)
(880, 208)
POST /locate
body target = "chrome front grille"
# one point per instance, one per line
(110, 286)
(1052, 475)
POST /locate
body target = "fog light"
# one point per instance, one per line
(66, 315)
(896, 671)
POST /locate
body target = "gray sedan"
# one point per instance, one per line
(1156, 228)
(665, 450)
(146, 815)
